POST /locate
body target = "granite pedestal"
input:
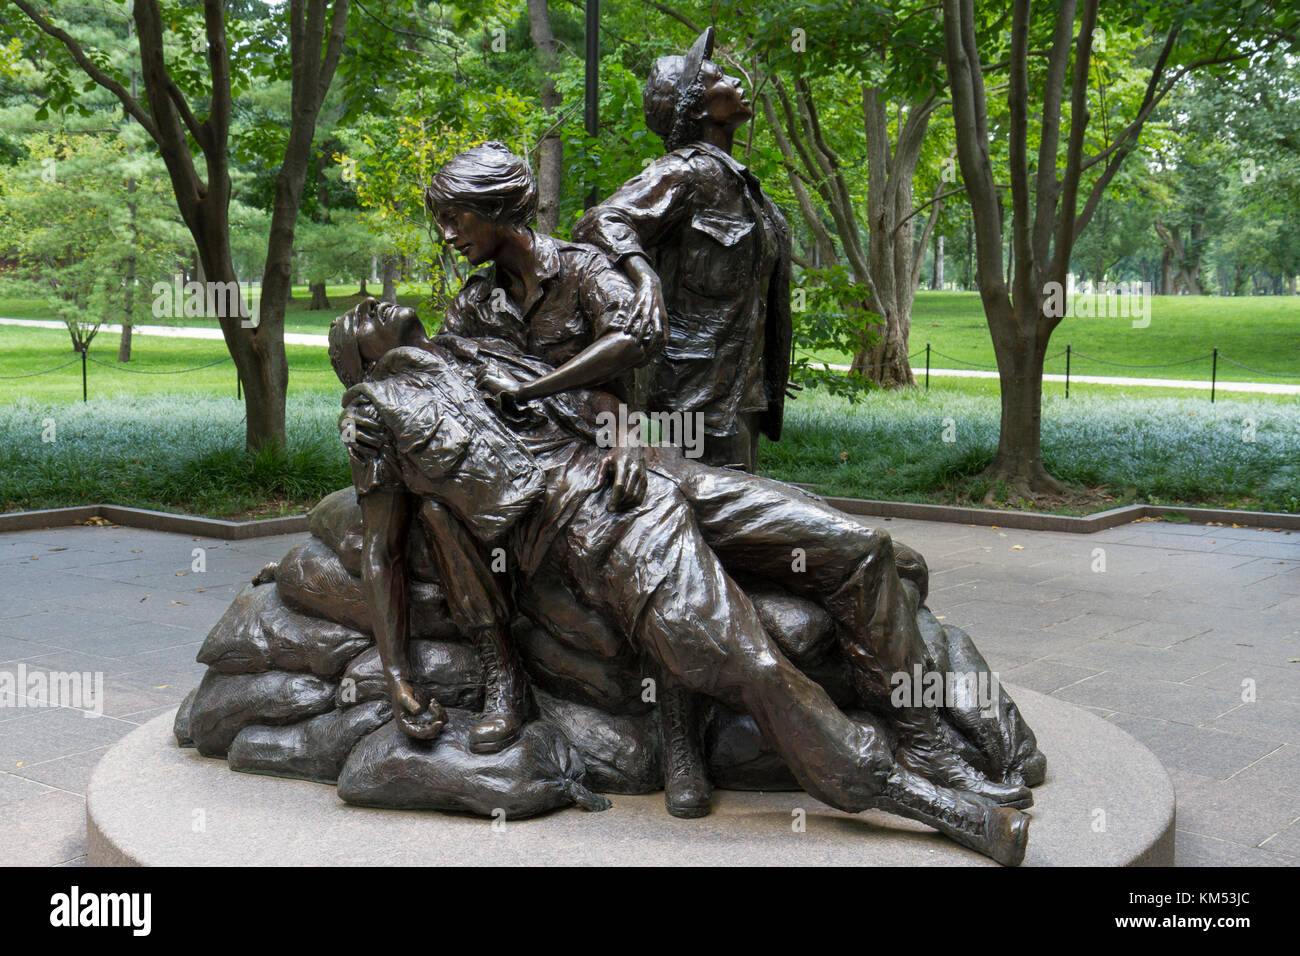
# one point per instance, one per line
(1107, 801)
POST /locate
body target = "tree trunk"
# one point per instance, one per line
(128, 303)
(390, 279)
(316, 43)
(550, 151)
(893, 259)
(128, 298)
(313, 71)
(318, 298)
(885, 362)
(1019, 459)
(128, 312)
(937, 281)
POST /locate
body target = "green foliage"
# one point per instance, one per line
(177, 452)
(182, 451)
(829, 318)
(71, 224)
(394, 158)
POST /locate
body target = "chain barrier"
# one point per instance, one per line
(950, 358)
(1257, 371)
(118, 367)
(43, 372)
(1199, 358)
(1068, 352)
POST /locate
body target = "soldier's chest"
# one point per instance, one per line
(726, 247)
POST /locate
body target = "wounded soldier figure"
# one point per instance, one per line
(528, 481)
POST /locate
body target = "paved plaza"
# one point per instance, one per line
(1185, 636)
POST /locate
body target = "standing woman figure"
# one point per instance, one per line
(709, 254)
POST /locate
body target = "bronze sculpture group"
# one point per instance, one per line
(583, 565)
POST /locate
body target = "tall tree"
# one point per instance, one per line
(1054, 197)
(815, 69)
(550, 151)
(174, 97)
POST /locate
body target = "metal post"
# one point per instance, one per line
(927, 366)
(1067, 370)
(83, 374)
(591, 112)
(1214, 373)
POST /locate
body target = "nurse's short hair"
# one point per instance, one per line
(488, 180)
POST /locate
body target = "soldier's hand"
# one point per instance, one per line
(361, 430)
(623, 469)
(792, 390)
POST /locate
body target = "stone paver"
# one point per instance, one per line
(1185, 636)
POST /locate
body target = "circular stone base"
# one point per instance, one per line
(1107, 801)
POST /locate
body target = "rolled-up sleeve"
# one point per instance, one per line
(641, 211)
(608, 299)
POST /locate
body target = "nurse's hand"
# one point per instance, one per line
(623, 469)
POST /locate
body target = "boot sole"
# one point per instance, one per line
(689, 813)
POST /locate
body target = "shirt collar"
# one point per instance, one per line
(724, 157)
(548, 256)
(548, 267)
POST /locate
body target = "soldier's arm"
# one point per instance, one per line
(641, 212)
(644, 213)
(385, 516)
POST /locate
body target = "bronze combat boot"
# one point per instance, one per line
(997, 831)
(506, 700)
(687, 790)
(922, 749)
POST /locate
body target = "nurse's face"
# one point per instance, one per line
(476, 238)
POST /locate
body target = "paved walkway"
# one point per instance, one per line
(307, 338)
(171, 331)
(1165, 642)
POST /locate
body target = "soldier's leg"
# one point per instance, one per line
(688, 791)
(701, 627)
(777, 533)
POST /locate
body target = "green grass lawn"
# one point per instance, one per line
(1259, 331)
(25, 350)
(174, 440)
(1262, 332)
(158, 366)
(298, 318)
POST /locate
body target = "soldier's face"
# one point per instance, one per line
(384, 327)
(725, 103)
(476, 238)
